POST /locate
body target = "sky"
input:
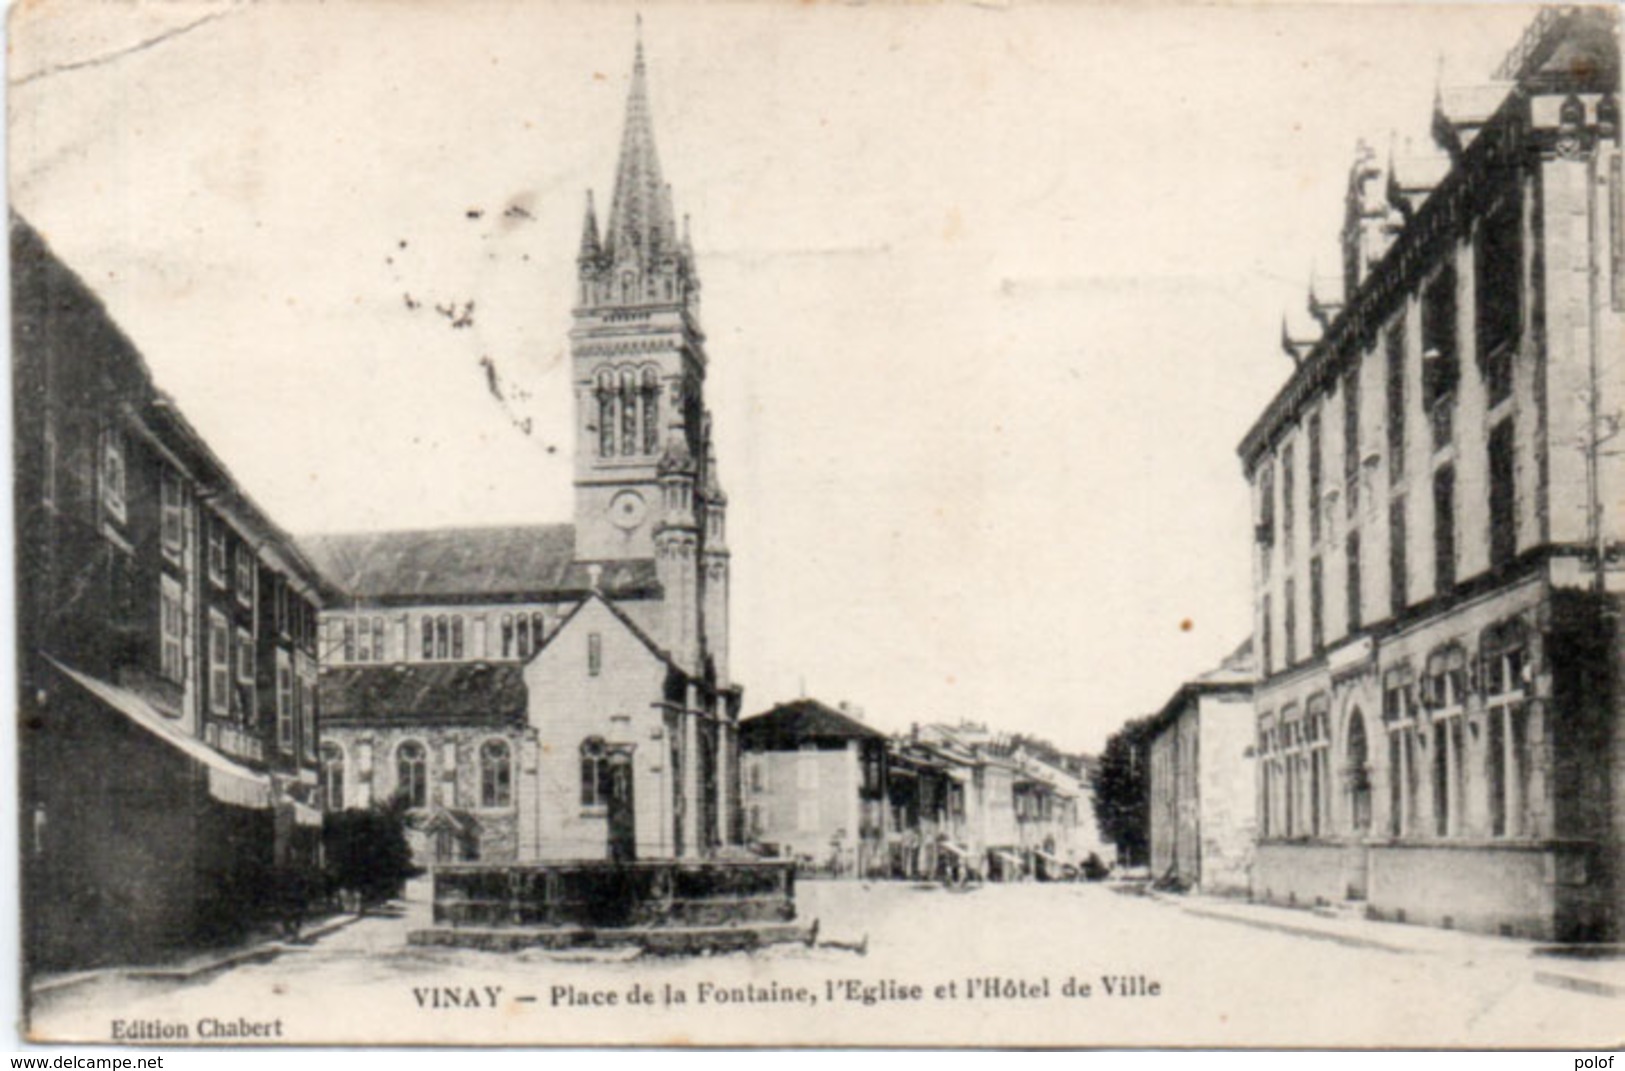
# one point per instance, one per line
(992, 291)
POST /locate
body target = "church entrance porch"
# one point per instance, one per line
(623, 827)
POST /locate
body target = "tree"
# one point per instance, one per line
(1119, 792)
(367, 853)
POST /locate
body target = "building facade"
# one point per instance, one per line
(563, 691)
(938, 802)
(1438, 525)
(167, 653)
(1201, 759)
(814, 786)
(1054, 818)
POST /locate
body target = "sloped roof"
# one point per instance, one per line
(66, 323)
(1238, 667)
(229, 781)
(620, 615)
(1235, 675)
(801, 720)
(641, 221)
(440, 692)
(488, 562)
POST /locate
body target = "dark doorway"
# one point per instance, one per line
(623, 828)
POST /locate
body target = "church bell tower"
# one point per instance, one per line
(645, 479)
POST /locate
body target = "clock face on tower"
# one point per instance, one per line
(626, 510)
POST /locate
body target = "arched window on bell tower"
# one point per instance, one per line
(629, 412)
(651, 410)
(606, 412)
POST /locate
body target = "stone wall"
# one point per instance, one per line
(1175, 833)
(1306, 874)
(800, 800)
(663, 894)
(452, 777)
(1487, 888)
(1228, 818)
(570, 704)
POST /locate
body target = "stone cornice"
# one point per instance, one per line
(1470, 188)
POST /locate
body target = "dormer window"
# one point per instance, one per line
(1287, 503)
(1315, 479)
(113, 475)
(172, 531)
(245, 576)
(1264, 524)
(172, 628)
(48, 464)
(1498, 272)
(244, 651)
(1440, 359)
(217, 551)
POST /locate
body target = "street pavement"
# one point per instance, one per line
(1029, 964)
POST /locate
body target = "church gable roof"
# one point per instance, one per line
(596, 597)
(437, 692)
(468, 563)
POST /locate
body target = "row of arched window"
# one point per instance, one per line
(1456, 758)
(364, 639)
(443, 637)
(628, 411)
(1296, 773)
(412, 774)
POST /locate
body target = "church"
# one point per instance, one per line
(561, 691)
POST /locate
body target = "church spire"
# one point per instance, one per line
(590, 249)
(640, 217)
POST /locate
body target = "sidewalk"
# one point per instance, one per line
(198, 965)
(1598, 970)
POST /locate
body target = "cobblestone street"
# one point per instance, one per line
(939, 968)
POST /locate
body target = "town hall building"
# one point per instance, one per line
(1437, 562)
(562, 691)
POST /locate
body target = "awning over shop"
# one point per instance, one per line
(229, 782)
(306, 816)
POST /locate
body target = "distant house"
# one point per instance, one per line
(940, 801)
(931, 805)
(814, 785)
(1053, 813)
(167, 654)
(977, 780)
(1012, 807)
(1202, 759)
